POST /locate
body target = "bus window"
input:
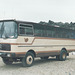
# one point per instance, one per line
(25, 29)
(22, 30)
(9, 29)
(49, 33)
(39, 31)
(29, 31)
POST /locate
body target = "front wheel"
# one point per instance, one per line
(28, 60)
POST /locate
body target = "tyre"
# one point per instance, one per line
(7, 61)
(28, 60)
(63, 55)
(45, 58)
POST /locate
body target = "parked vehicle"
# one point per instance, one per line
(23, 41)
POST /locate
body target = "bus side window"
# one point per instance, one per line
(72, 35)
(25, 29)
(22, 30)
(49, 33)
(29, 31)
(38, 32)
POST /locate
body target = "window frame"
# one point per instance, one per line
(26, 27)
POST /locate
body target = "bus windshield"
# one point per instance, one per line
(8, 29)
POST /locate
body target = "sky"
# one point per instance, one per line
(38, 10)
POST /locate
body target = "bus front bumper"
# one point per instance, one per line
(3, 54)
(12, 55)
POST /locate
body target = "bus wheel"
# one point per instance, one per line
(45, 58)
(7, 61)
(63, 55)
(28, 60)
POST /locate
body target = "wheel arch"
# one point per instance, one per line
(64, 49)
(32, 51)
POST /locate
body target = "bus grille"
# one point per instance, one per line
(5, 47)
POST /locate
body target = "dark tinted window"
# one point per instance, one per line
(26, 29)
(50, 31)
(57, 32)
(39, 30)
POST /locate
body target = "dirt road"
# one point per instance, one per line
(41, 67)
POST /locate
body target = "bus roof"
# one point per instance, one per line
(19, 21)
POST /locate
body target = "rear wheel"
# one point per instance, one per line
(63, 55)
(28, 60)
(7, 61)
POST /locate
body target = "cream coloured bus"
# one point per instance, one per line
(23, 41)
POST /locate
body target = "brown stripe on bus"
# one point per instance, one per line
(53, 38)
(47, 51)
(37, 38)
(71, 50)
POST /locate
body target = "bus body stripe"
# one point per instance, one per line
(38, 51)
(37, 38)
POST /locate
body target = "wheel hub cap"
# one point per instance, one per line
(29, 60)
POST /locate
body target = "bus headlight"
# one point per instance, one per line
(8, 55)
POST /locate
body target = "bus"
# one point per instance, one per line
(23, 41)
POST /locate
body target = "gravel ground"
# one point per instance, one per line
(41, 67)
